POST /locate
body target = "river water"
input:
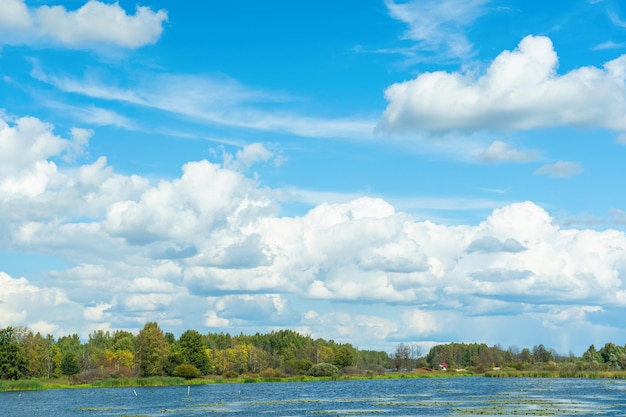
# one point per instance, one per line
(390, 397)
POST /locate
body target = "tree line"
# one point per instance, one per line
(480, 357)
(152, 352)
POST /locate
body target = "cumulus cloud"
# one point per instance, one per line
(561, 169)
(208, 249)
(27, 147)
(14, 15)
(97, 313)
(249, 155)
(358, 329)
(266, 309)
(417, 324)
(204, 198)
(24, 302)
(520, 89)
(94, 23)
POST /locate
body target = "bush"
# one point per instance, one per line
(324, 369)
(89, 376)
(376, 370)
(271, 373)
(352, 371)
(297, 366)
(186, 371)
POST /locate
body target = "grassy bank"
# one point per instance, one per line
(41, 384)
(63, 383)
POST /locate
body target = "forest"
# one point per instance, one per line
(152, 352)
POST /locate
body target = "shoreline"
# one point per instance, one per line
(163, 381)
(129, 382)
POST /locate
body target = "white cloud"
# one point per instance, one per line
(438, 26)
(44, 327)
(359, 329)
(24, 302)
(97, 313)
(558, 316)
(250, 155)
(211, 320)
(561, 169)
(95, 23)
(501, 152)
(94, 115)
(520, 90)
(14, 15)
(212, 99)
(608, 45)
(27, 146)
(419, 324)
(614, 17)
(211, 241)
(264, 309)
(204, 198)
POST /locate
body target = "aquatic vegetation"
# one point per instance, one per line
(96, 408)
(21, 385)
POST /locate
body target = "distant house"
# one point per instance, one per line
(443, 366)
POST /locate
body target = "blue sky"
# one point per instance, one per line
(371, 171)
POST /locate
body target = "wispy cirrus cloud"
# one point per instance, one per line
(438, 27)
(95, 115)
(608, 45)
(561, 169)
(212, 99)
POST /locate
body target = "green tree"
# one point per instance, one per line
(69, 364)
(70, 344)
(95, 349)
(123, 340)
(613, 355)
(193, 350)
(152, 350)
(541, 354)
(35, 348)
(591, 355)
(55, 361)
(344, 356)
(525, 356)
(219, 341)
(372, 359)
(12, 360)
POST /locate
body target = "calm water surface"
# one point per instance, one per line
(400, 397)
